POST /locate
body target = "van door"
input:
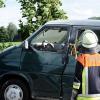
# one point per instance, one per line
(44, 60)
(70, 69)
(68, 77)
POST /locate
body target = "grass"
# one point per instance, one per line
(7, 43)
(4, 45)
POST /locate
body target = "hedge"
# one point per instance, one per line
(5, 45)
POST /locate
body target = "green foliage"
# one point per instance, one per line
(9, 34)
(23, 31)
(1, 3)
(3, 34)
(11, 31)
(42, 11)
(5, 45)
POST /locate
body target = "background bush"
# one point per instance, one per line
(5, 45)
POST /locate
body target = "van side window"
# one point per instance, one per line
(50, 39)
(78, 39)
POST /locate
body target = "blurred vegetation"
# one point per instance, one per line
(37, 13)
(9, 34)
(3, 34)
(1, 3)
(11, 31)
(4, 45)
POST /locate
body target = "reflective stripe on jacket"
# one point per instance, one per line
(87, 76)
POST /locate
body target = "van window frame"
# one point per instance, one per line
(75, 29)
(87, 26)
(67, 27)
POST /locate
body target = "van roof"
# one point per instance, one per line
(87, 22)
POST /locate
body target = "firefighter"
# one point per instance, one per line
(86, 85)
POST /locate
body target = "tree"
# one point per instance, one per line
(1, 3)
(12, 31)
(3, 34)
(23, 31)
(42, 11)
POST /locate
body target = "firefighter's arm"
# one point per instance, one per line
(74, 94)
(78, 72)
(77, 80)
(78, 76)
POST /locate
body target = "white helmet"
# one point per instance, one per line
(89, 39)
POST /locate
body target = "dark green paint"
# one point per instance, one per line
(43, 69)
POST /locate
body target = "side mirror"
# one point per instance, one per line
(26, 46)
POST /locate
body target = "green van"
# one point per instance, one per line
(42, 67)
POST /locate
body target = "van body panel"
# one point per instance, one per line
(47, 65)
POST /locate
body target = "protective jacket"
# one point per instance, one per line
(87, 77)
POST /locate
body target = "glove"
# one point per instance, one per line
(74, 94)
